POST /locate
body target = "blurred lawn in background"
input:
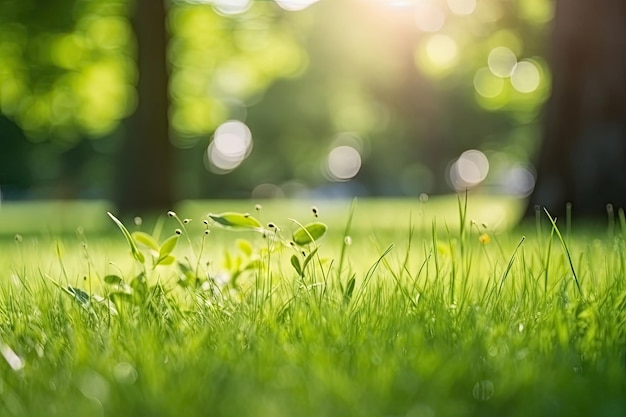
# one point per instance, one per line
(395, 215)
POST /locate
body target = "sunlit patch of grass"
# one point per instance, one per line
(252, 312)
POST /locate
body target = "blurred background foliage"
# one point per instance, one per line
(273, 98)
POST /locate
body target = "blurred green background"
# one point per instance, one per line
(279, 98)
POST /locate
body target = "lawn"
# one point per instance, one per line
(399, 308)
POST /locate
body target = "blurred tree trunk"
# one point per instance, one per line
(583, 155)
(145, 172)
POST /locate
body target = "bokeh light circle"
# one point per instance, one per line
(486, 84)
(232, 143)
(469, 170)
(442, 50)
(519, 181)
(343, 163)
(233, 139)
(501, 61)
(525, 77)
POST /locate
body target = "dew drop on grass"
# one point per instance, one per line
(125, 373)
(348, 240)
(93, 385)
(520, 355)
(483, 390)
(15, 362)
(221, 279)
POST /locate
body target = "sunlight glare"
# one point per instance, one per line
(294, 5)
(400, 3)
(429, 17)
(442, 50)
(525, 77)
(231, 7)
(462, 7)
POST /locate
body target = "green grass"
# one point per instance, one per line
(433, 313)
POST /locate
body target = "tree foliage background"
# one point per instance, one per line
(370, 97)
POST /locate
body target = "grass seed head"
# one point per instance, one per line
(484, 238)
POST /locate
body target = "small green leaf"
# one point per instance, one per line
(140, 289)
(113, 280)
(146, 240)
(139, 256)
(308, 258)
(184, 282)
(236, 220)
(245, 246)
(228, 261)
(168, 246)
(309, 233)
(347, 295)
(253, 264)
(81, 296)
(295, 262)
(186, 270)
(120, 297)
(167, 260)
(133, 247)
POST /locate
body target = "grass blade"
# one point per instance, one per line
(567, 253)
